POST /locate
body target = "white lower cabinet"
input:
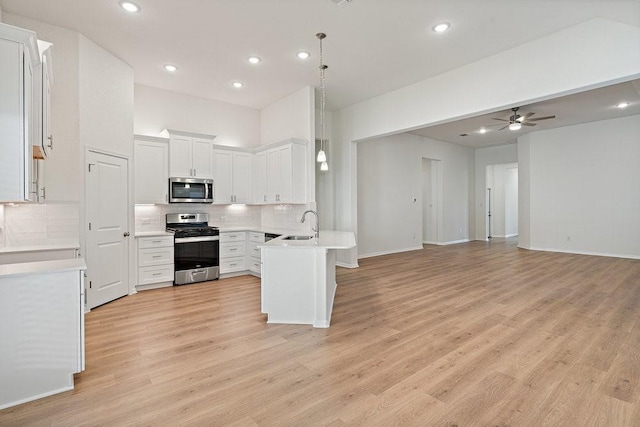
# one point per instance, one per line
(253, 252)
(233, 251)
(155, 261)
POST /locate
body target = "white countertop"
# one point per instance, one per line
(44, 246)
(328, 239)
(26, 268)
(152, 233)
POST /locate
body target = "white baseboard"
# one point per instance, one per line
(565, 251)
(511, 235)
(345, 265)
(429, 243)
(454, 242)
(395, 251)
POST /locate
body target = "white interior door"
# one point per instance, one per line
(431, 195)
(108, 231)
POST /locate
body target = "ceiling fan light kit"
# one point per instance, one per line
(516, 121)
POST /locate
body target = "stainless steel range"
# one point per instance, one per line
(196, 248)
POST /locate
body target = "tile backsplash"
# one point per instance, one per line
(152, 217)
(34, 224)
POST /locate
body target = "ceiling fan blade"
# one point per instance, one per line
(527, 124)
(503, 128)
(502, 120)
(542, 118)
(525, 117)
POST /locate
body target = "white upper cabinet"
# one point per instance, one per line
(151, 159)
(18, 58)
(231, 176)
(286, 173)
(190, 154)
(260, 177)
(43, 138)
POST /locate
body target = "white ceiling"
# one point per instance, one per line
(372, 46)
(593, 105)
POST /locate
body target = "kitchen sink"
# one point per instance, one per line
(298, 238)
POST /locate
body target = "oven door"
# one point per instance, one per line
(196, 259)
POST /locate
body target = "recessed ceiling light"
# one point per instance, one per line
(130, 6)
(483, 130)
(623, 105)
(170, 67)
(237, 85)
(254, 59)
(303, 55)
(441, 27)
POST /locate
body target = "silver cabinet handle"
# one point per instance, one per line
(265, 197)
(50, 138)
(157, 256)
(126, 234)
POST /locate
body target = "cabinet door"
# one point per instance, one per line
(260, 177)
(202, 158)
(222, 165)
(273, 175)
(180, 157)
(286, 174)
(151, 172)
(241, 177)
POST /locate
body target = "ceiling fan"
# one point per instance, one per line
(516, 121)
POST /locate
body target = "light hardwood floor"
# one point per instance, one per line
(471, 334)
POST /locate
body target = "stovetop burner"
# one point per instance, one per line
(190, 225)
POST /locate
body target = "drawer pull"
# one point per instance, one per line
(233, 249)
(157, 241)
(157, 274)
(157, 256)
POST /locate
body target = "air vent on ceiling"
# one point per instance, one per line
(341, 2)
(464, 134)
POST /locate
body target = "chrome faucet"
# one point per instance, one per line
(315, 230)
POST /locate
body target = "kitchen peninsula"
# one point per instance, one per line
(299, 277)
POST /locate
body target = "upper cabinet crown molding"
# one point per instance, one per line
(149, 138)
(168, 133)
(26, 37)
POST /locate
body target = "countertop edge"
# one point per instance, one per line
(39, 267)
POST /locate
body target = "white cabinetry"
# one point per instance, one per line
(285, 173)
(42, 329)
(253, 252)
(43, 139)
(189, 154)
(151, 156)
(155, 261)
(260, 177)
(18, 57)
(231, 176)
(232, 251)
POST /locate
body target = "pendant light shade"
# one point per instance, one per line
(322, 156)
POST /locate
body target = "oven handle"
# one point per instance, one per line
(197, 239)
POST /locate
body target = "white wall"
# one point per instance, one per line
(511, 201)
(390, 177)
(291, 117)
(63, 166)
(158, 109)
(584, 52)
(584, 183)
(106, 100)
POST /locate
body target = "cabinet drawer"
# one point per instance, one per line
(230, 265)
(156, 274)
(233, 237)
(256, 237)
(254, 250)
(232, 249)
(254, 265)
(155, 256)
(155, 242)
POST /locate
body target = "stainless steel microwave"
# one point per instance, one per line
(190, 190)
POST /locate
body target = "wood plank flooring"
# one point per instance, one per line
(467, 335)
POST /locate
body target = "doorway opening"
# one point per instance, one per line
(501, 219)
(431, 201)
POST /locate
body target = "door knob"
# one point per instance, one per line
(126, 234)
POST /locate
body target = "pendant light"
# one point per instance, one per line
(322, 156)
